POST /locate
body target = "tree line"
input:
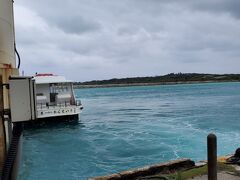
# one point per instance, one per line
(172, 77)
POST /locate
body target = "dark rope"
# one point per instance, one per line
(19, 59)
(12, 151)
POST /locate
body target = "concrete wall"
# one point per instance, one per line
(7, 37)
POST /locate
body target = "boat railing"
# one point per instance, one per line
(78, 103)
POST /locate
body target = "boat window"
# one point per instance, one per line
(39, 94)
(52, 88)
(66, 88)
(61, 88)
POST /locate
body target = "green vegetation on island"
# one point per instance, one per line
(172, 78)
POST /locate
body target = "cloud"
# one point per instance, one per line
(76, 25)
(92, 39)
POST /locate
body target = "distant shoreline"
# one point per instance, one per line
(148, 84)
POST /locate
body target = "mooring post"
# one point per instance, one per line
(212, 156)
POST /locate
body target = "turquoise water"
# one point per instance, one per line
(130, 127)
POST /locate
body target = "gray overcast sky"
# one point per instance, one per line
(102, 39)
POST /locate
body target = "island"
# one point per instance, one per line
(172, 78)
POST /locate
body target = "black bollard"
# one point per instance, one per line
(212, 156)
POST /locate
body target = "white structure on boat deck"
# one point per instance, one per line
(42, 96)
(55, 96)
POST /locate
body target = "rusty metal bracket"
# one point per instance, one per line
(5, 84)
(5, 112)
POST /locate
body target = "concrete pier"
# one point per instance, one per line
(166, 167)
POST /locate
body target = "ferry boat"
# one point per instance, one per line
(55, 97)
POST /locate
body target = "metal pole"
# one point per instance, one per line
(2, 130)
(212, 156)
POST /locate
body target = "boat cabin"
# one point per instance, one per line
(55, 96)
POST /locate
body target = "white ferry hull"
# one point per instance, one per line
(57, 111)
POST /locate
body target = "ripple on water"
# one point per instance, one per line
(129, 127)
